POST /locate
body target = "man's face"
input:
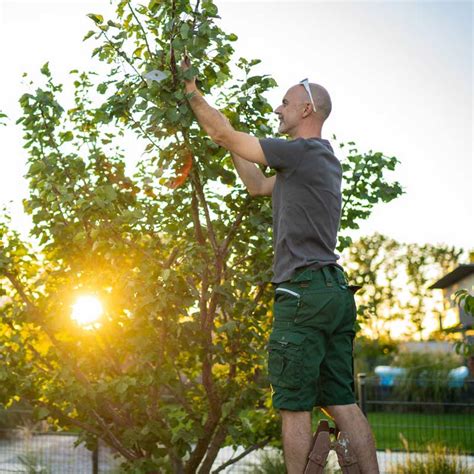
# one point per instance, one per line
(291, 109)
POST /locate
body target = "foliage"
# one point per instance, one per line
(419, 261)
(174, 248)
(438, 460)
(395, 278)
(364, 187)
(465, 300)
(33, 464)
(426, 376)
(369, 353)
(269, 463)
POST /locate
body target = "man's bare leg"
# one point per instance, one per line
(297, 439)
(349, 418)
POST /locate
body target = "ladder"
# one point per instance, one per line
(322, 444)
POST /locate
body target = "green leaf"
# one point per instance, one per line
(98, 19)
(228, 327)
(36, 167)
(66, 136)
(88, 35)
(184, 30)
(172, 115)
(45, 70)
(102, 88)
(209, 8)
(41, 413)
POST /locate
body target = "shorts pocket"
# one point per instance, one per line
(286, 304)
(318, 309)
(285, 359)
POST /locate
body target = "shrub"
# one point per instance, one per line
(369, 353)
(426, 377)
(271, 462)
(438, 460)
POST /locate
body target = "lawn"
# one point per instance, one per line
(419, 429)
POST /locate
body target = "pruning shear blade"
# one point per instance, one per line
(155, 75)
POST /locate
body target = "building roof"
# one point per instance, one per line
(457, 274)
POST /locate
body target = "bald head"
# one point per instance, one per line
(296, 114)
(321, 98)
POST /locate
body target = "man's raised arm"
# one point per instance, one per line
(218, 128)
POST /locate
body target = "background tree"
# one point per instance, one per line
(395, 278)
(373, 263)
(423, 265)
(174, 247)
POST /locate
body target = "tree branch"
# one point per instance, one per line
(196, 220)
(141, 27)
(214, 448)
(200, 194)
(128, 454)
(225, 244)
(172, 257)
(201, 446)
(242, 455)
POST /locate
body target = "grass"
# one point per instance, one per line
(420, 430)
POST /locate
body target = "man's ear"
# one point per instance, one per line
(308, 110)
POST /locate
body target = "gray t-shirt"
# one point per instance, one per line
(306, 203)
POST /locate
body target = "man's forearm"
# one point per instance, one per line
(210, 119)
(250, 174)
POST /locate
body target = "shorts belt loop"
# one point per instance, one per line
(327, 276)
(344, 279)
(340, 277)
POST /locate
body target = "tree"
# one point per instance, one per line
(424, 264)
(395, 278)
(373, 263)
(177, 251)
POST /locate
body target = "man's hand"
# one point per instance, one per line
(217, 126)
(190, 84)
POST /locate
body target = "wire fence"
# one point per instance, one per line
(407, 417)
(411, 417)
(417, 413)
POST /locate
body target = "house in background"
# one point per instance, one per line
(460, 278)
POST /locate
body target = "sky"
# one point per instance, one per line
(399, 73)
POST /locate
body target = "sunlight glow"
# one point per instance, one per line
(86, 311)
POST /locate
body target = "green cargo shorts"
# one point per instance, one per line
(310, 360)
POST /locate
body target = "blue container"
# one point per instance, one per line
(387, 374)
(457, 376)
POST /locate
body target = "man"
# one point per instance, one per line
(310, 349)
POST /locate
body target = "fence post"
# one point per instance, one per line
(362, 390)
(95, 459)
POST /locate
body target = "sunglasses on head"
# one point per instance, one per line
(305, 84)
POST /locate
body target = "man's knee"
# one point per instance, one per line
(300, 420)
(295, 415)
(338, 411)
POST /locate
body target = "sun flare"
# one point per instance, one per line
(86, 311)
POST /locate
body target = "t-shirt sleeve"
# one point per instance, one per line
(282, 155)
